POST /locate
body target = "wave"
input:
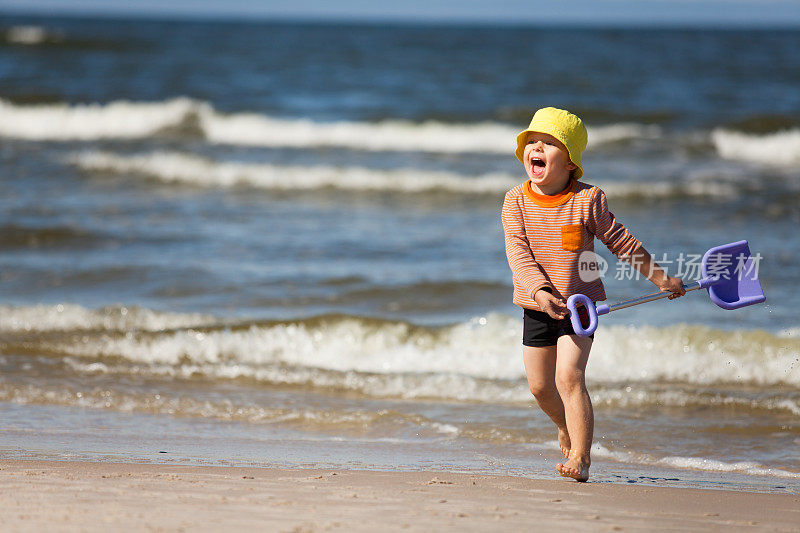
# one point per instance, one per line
(187, 406)
(28, 35)
(389, 423)
(438, 385)
(182, 116)
(190, 169)
(780, 148)
(388, 135)
(157, 401)
(173, 167)
(88, 122)
(474, 360)
(641, 395)
(35, 36)
(692, 463)
(74, 319)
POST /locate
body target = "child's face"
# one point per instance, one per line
(546, 161)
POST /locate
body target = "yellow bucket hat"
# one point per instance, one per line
(562, 125)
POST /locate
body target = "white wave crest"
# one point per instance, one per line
(780, 148)
(172, 167)
(625, 131)
(136, 120)
(341, 345)
(68, 317)
(747, 467)
(693, 463)
(116, 120)
(388, 135)
(694, 354)
(455, 361)
(190, 169)
(692, 188)
(631, 396)
(27, 35)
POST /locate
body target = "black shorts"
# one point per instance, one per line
(539, 329)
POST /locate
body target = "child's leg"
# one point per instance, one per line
(573, 354)
(540, 368)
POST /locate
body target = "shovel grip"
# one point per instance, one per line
(573, 303)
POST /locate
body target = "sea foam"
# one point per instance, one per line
(692, 463)
(190, 169)
(780, 148)
(476, 359)
(29, 35)
(388, 135)
(84, 122)
(139, 120)
(74, 318)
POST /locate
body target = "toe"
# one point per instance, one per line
(578, 474)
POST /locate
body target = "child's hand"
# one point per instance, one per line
(554, 307)
(673, 285)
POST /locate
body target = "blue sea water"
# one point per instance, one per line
(293, 229)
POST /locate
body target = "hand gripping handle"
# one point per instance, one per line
(573, 303)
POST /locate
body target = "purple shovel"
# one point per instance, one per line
(729, 273)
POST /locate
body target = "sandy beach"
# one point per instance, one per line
(93, 496)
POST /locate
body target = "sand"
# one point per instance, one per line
(94, 496)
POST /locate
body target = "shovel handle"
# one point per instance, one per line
(688, 287)
(576, 301)
(580, 300)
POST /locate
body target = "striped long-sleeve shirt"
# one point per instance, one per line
(546, 234)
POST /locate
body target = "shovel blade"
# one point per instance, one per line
(737, 272)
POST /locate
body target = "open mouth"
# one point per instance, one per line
(537, 165)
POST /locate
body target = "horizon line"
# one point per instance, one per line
(372, 20)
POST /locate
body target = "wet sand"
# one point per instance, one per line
(94, 496)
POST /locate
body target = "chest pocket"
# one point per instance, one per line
(572, 237)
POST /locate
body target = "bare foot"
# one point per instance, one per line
(577, 470)
(564, 442)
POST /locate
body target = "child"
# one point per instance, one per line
(548, 221)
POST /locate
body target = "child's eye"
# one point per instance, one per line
(549, 143)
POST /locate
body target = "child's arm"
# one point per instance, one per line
(621, 243)
(642, 261)
(520, 257)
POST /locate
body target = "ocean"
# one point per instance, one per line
(266, 243)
